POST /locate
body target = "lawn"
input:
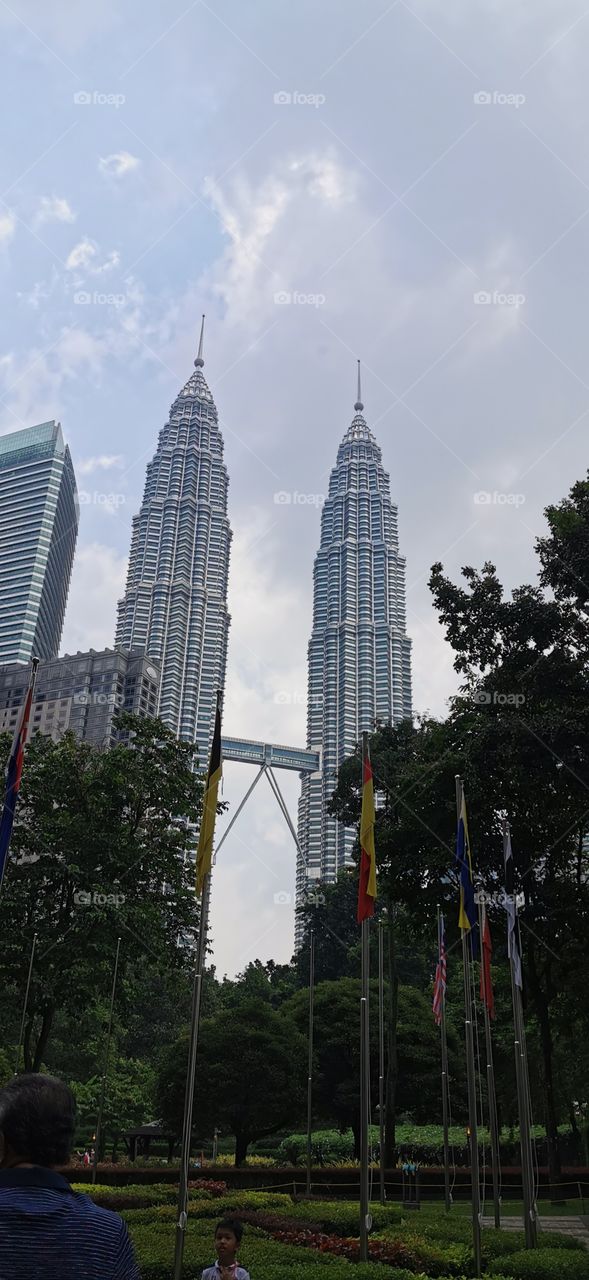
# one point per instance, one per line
(317, 1240)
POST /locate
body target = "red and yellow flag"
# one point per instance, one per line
(204, 856)
(367, 880)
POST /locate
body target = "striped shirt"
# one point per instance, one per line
(48, 1231)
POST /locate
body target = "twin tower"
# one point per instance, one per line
(175, 604)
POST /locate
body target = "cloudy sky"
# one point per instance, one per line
(413, 178)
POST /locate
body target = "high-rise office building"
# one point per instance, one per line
(175, 604)
(39, 515)
(81, 693)
(359, 658)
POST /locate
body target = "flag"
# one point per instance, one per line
(204, 855)
(487, 996)
(367, 878)
(513, 938)
(467, 915)
(440, 978)
(14, 772)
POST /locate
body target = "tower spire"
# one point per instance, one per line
(198, 363)
(358, 405)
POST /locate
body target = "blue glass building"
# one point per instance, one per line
(359, 657)
(175, 604)
(39, 515)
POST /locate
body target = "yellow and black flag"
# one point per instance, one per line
(204, 855)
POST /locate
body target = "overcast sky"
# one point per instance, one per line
(414, 178)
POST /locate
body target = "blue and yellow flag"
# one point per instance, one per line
(467, 915)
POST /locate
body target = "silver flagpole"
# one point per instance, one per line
(310, 1068)
(519, 1043)
(471, 1082)
(24, 1009)
(491, 1087)
(106, 1058)
(381, 1058)
(444, 1044)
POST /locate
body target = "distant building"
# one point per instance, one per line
(39, 515)
(82, 692)
(175, 603)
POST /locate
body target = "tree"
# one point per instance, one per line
(129, 1100)
(250, 1076)
(96, 838)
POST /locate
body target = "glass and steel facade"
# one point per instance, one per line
(175, 604)
(39, 515)
(359, 657)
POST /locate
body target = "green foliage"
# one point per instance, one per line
(544, 1264)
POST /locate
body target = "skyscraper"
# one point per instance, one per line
(39, 514)
(359, 658)
(175, 604)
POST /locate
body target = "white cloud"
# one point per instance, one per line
(105, 462)
(54, 209)
(118, 164)
(7, 226)
(81, 255)
(98, 579)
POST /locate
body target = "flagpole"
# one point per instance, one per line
(364, 1095)
(310, 1068)
(25, 1005)
(444, 1045)
(381, 1059)
(190, 1075)
(521, 1064)
(471, 1081)
(204, 859)
(364, 1061)
(492, 1097)
(106, 1058)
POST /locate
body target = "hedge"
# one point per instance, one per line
(544, 1264)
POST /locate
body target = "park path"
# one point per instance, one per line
(570, 1226)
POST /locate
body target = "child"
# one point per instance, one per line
(228, 1235)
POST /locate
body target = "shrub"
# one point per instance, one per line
(544, 1264)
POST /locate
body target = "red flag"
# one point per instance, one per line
(367, 878)
(486, 985)
(440, 978)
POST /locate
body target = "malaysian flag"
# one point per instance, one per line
(14, 772)
(440, 978)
